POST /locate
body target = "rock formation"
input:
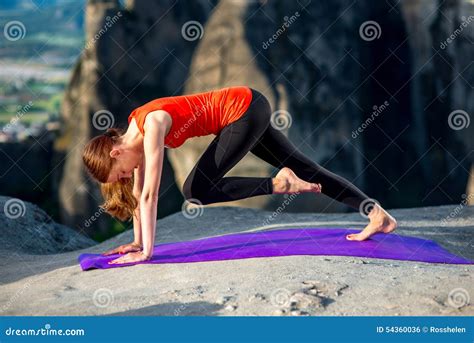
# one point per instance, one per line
(440, 35)
(27, 229)
(311, 59)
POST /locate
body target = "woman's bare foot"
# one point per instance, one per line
(286, 182)
(380, 221)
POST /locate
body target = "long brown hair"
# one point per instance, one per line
(119, 199)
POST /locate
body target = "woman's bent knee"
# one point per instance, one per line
(195, 196)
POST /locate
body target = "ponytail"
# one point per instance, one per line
(119, 200)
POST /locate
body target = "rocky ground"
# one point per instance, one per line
(39, 274)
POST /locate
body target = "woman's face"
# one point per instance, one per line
(125, 163)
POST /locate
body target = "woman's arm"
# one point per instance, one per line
(153, 146)
(137, 193)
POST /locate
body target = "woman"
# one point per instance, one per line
(129, 165)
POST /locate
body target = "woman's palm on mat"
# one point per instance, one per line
(123, 249)
(131, 257)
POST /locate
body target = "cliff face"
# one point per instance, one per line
(274, 47)
(441, 97)
(374, 110)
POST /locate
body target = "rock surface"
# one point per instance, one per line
(35, 281)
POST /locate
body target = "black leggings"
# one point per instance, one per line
(253, 132)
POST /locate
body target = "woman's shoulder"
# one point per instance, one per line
(158, 117)
(143, 110)
(151, 111)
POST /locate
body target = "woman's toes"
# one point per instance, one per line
(361, 236)
(351, 237)
(316, 187)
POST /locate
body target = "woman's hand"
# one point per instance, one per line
(131, 257)
(123, 249)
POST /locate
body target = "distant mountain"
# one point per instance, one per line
(44, 26)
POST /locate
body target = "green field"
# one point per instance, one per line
(26, 119)
(55, 30)
(45, 100)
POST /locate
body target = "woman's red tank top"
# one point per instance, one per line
(198, 114)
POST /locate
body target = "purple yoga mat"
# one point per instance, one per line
(286, 242)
